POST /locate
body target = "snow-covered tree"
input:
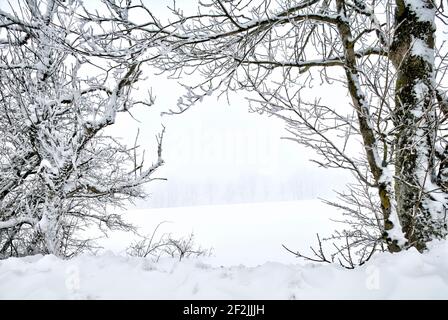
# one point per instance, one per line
(389, 57)
(61, 86)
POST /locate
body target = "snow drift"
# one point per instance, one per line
(408, 275)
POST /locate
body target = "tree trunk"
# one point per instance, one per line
(393, 235)
(412, 52)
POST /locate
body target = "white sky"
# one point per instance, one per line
(220, 153)
(217, 153)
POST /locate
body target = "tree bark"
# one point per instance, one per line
(412, 53)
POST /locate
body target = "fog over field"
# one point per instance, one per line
(219, 152)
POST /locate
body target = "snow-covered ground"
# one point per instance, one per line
(248, 234)
(406, 276)
(247, 263)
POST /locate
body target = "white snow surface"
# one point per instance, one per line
(422, 10)
(243, 267)
(409, 275)
(249, 234)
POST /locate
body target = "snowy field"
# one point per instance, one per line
(66, 142)
(248, 234)
(248, 262)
